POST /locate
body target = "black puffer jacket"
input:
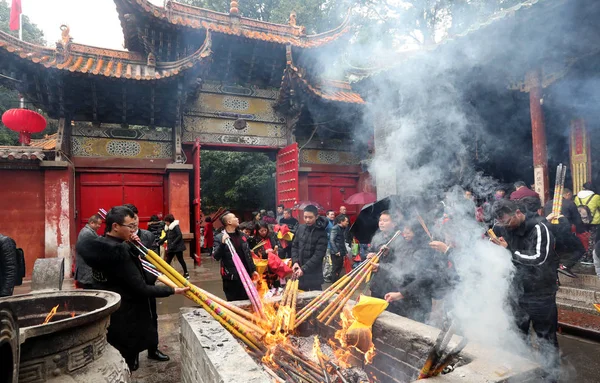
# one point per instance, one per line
(174, 238)
(156, 229)
(8, 265)
(308, 250)
(532, 248)
(337, 240)
(222, 253)
(123, 274)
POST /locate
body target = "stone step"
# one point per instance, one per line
(576, 306)
(585, 296)
(584, 281)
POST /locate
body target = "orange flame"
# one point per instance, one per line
(51, 314)
(72, 314)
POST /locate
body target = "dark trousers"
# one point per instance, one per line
(179, 256)
(154, 343)
(337, 265)
(541, 313)
(234, 290)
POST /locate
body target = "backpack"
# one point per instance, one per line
(20, 258)
(585, 213)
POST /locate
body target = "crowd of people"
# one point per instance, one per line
(414, 271)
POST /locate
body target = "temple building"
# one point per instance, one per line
(190, 78)
(529, 73)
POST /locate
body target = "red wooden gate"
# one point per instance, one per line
(105, 190)
(287, 176)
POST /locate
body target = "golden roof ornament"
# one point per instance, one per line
(233, 8)
(65, 34)
(292, 20)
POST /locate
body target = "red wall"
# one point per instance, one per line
(22, 207)
(105, 190)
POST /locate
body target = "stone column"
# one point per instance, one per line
(59, 196)
(538, 134)
(178, 197)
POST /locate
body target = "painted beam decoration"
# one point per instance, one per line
(123, 143)
(234, 115)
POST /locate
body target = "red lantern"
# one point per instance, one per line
(25, 122)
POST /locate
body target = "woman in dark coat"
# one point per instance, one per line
(416, 275)
(383, 279)
(175, 245)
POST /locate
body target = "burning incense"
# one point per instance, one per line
(236, 327)
(246, 281)
(423, 225)
(491, 234)
(341, 284)
(559, 186)
(450, 357)
(51, 314)
(436, 351)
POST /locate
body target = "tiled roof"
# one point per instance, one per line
(21, 153)
(46, 143)
(86, 59)
(338, 91)
(198, 18)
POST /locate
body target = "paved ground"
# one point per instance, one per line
(581, 362)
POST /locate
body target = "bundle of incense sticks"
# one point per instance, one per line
(491, 234)
(559, 187)
(423, 225)
(286, 313)
(261, 243)
(249, 286)
(436, 360)
(344, 287)
(237, 321)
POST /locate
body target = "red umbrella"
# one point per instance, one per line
(361, 198)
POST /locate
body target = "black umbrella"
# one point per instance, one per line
(367, 222)
(402, 208)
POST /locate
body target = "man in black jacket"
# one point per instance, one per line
(116, 268)
(531, 244)
(83, 273)
(147, 238)
(309, 248)
(8, 265)
(337, 244)
(232, 284)
(175, 245)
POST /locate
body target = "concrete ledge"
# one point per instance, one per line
(583, 281)
(55, 164)
(210, 354)
(179, 167)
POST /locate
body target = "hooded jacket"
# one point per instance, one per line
(532, 248)
(308, 250)
(123, 274)
(592, 201)
(174, 238)
(222, 253)
(8, 265)
(83, 273)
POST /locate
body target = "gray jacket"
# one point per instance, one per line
(83, 273)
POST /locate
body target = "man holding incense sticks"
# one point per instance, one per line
(308, 250)
(147, 238)
(233, 287)
(116, 268)
(531, 244)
